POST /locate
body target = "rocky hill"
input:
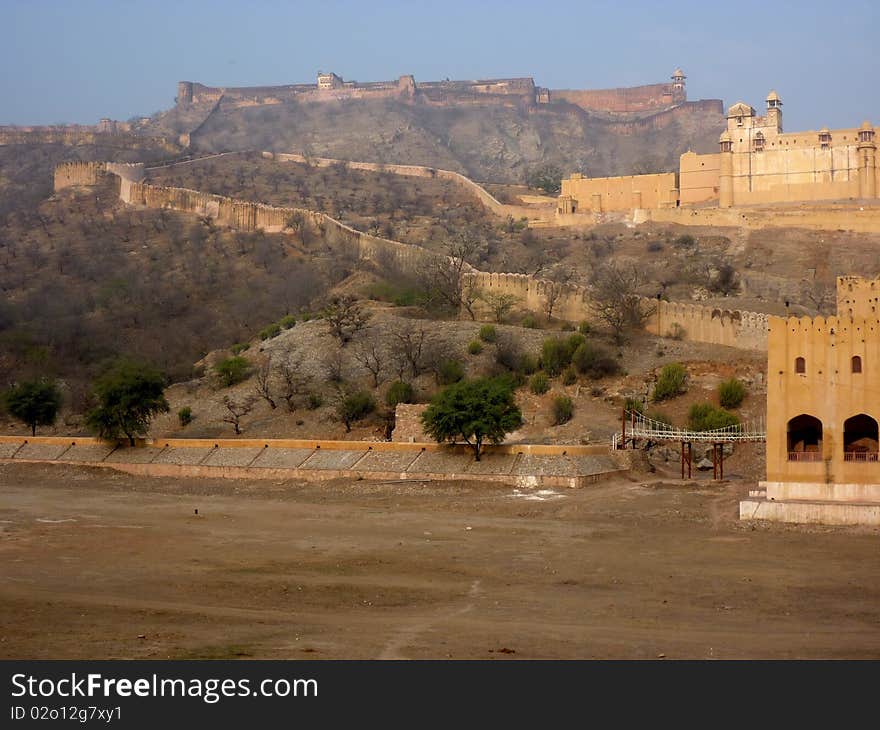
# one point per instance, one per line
(487, 142)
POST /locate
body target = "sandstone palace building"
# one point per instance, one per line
(757, 164)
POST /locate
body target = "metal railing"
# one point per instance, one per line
(860, 456)
(640, 426)
(805, 456)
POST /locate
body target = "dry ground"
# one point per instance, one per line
(103, 565)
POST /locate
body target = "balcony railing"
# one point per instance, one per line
(860, 456)
(805, 456)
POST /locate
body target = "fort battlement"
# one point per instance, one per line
(522, 92)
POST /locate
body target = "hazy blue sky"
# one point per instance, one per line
(79, 60)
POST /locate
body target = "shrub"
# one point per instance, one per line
(568, 327)
(731, 393)
(556, 354)
(239, 347)
(449, 372)
(539, 384)
(488, 333)
(399, 392)
(475, 347)
(685, 241)
(654, 246)
(569, 376)
(305, 316)
(671, 382)
(563, 409)
(287, 321)
(185, 416)
(527, 364)
(270, 331)
(585, 328)
(314, 401)
(593, 360)
(354, 407)
(530, 322)
(676, 331)
(706, 417)
(232, 370)
(634, 404)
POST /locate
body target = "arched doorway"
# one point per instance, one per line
(860, 438)
(805, 438)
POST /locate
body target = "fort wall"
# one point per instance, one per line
(73, 136)
(544, 213)
(830, 216)
(625, 100)
(628, 192)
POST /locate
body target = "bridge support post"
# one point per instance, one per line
(718, 461)
(686, 458)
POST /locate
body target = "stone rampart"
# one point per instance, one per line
(544, 213)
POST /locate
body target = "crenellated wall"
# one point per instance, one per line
(747, 330)
(690, 322)
(696, 323)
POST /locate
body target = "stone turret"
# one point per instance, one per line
(774, 111)
(867, 161)
(725, 175)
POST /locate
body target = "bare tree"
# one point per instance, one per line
(442, 280)
(346, 317)
(334, 365)
(616, 301)
(237, 410)
(294, 381)
(264, 385)
(555, 288)
(372, 357)
(409, 346)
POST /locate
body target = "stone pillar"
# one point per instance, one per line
(867, 170)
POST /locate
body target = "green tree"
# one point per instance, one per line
(129, 395)
(474, 410)
(355, 406)
(34, 402)
(232, 370)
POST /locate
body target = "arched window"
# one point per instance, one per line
(856, 364)
(860, 438)
(800, 365)
(805, 438)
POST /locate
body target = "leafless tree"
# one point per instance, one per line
(616, 301)
(373, 358)
(237, 410)
(294, 380)
(408, 348)
(345, 317)
(264, 385)
(442, 280)
(334, 365)
(555, 288)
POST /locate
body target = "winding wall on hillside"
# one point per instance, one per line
(691, 322)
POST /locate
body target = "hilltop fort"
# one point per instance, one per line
(521, 92)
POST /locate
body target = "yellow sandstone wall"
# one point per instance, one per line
(827, 390)
(600, 194)
(698, 178)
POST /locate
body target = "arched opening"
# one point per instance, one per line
(860, 439)
(805, 438)
(856, 364)
(800, 365)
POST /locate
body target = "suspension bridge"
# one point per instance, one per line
(636, 425)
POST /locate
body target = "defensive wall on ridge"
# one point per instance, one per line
(734, 328)
(503, 210)
(73, 136)
(690, 322)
